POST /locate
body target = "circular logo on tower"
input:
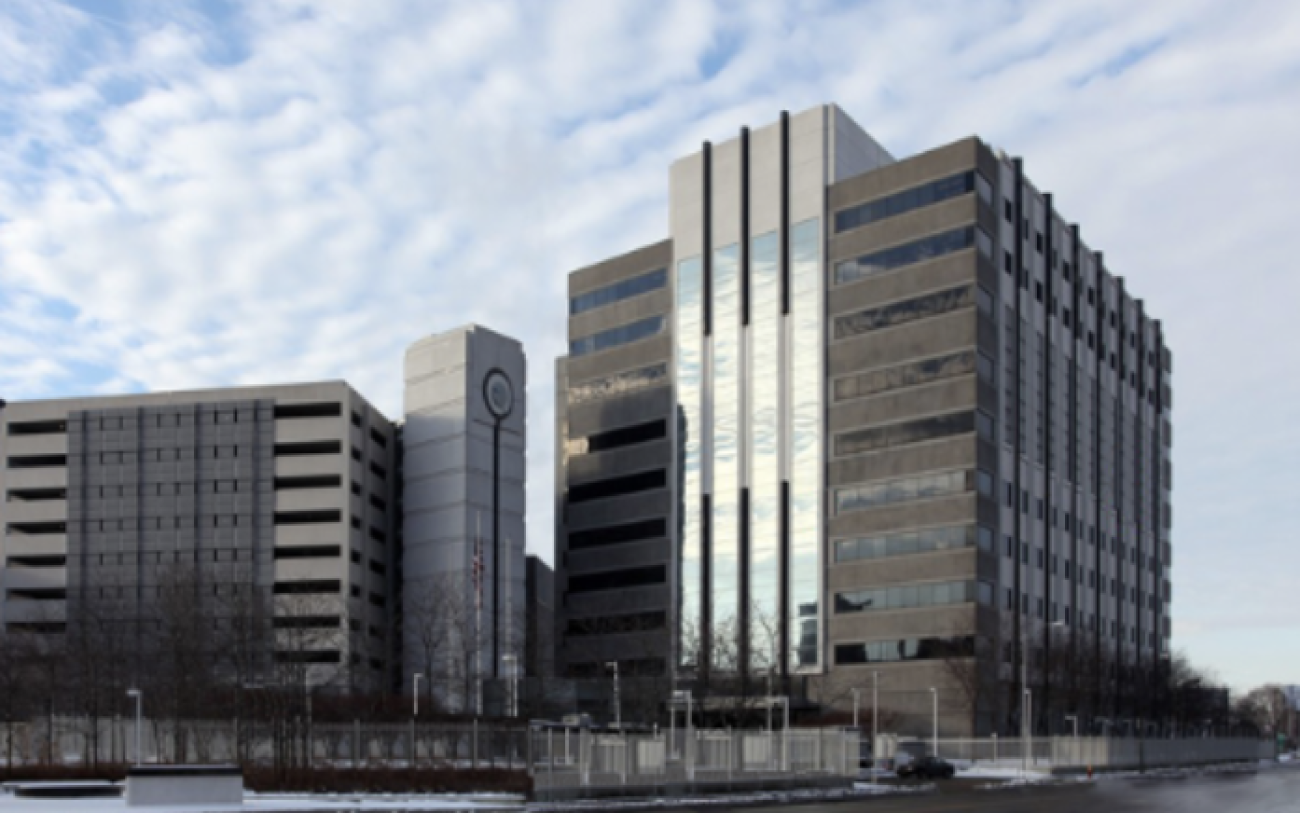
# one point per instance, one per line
(498, 393)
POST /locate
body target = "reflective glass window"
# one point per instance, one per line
(623, 289)
(910, 596)
(764, 380)
(908, 200)
(617, 336)
(917, 251)
(688, 362)
(807, 346)
(724, 572)
(873, 438)
(900, 313)
(911, 374)
(611, 386)
(904, 489)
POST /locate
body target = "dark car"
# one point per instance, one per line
(926, 768)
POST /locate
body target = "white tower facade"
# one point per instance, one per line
(464, 462)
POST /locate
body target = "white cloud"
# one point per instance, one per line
(297, 191)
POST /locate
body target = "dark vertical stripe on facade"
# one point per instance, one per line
(744, 227)
(1017, 666)
(1139, 477)
(708, 238)
(1157, 492)
(785, 212)
(1049, 577)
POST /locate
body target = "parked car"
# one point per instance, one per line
(926, 768)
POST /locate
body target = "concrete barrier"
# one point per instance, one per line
(148, 785)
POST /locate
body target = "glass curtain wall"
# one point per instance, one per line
(806, 393)
(724, 589)
(690, 376)
(765, 475)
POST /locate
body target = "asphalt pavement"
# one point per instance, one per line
(1274, 790)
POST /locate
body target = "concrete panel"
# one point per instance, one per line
(40, 511)
(298, 570)
(633, 554)
(765, 179)
(306, 465)
(599, 513)
(20, 445)
(612, 601)
(20, 612)
(308, 499)
(34, 578)
(686, 206)
(42, 545)
(300, 430)
(611, 413)
(604, 465)
(335, 533)
(36, 478)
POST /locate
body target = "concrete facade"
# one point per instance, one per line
(918, 430)
(464, 466)
(282, 492)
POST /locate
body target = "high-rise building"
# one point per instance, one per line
(214, 499)
(857, 415)
(464, 463)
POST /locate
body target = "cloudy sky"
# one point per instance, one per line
(211, 193)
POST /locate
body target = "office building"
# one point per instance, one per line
(862, 415)
(464, 464)
(231, 496)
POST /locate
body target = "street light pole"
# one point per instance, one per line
(139, 716)
(855, 707)
(934, 696)
(875, 708)
(618, 711)
(415, 694)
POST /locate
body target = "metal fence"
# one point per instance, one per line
(1077, 753)
(575, 758)
(67, 740)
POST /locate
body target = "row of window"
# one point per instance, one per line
(617, 336)
(618, 486)
(619, 579)
(618, 624)
(917, 197)
(912, 310)
(619, 438)
(917, 251)
(618, 291)
(612, 386)
(619, 534)
(911, 596)
(934, 427)
(914, 374)
(905, 489)
(906, 649)
(907, 543)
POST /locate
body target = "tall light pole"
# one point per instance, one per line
(875, 709)
(855, 707)
(934, 697)
(618, 711)
(1026, 741)
(139, 724)
(415, 694)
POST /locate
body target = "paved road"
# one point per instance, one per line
(1269, 791)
